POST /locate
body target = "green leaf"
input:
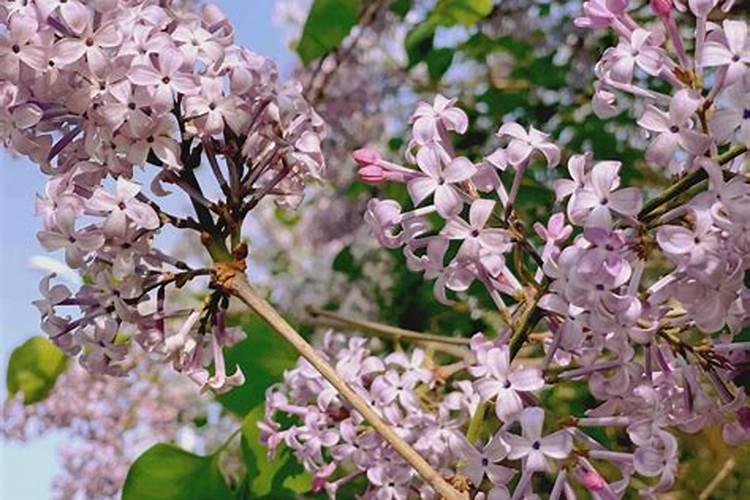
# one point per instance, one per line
(418, 42)
(263, 357)
(438, 62)
(466, 12)
(278, 479)
(327, 24)
(401, 7)
(347, 264)
(166, 472)
(33, 369)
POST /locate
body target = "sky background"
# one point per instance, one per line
(26, 469)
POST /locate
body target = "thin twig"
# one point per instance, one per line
(450, 349)
(241, 289)
(716, 481)
(687, 182)
(387, 330)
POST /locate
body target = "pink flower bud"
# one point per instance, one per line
(372, 174)
(661, 8)
(592, 481)
(366, 157)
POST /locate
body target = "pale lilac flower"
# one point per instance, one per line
(696, 245)
(166, 80)
(19, 48)
(674, 129)
(734, 55)
(633, 52)
(506, 384)
(197, 44)
(487, 244)
(478, 464)
(121, 207)
(77, 243)
(593, 205)
(440, 179)
(428, 120)
(658, 459)
(51, 295)
(92, 45)
(736, 114)
(597, 14)
(534, 448)
(73, 12)
(391, 387)
(523, 144)
(210, 109)
(413, 364)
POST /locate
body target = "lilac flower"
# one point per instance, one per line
(166, 80)
(532, 447)
(51, 295)
(73, 12)
(122, 207)
(633, 52)
(77, 243)
(523, 144)
(210, 109)
(736, 115)
(696, 245)
(734, 54)
(593, 205)
(384, 217)
(428, 120)
(506, 384)
(597, 14)
(19, 48)
(476, 464)
(391, 386)
(92, 45)
(658, 459)
(673, 129)
(440, 179)
(479, 242)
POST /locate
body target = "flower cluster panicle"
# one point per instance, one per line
(425, 405)
(642, 300)
(105, 95)
(108, 421)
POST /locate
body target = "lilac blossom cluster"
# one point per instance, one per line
(425, 406)
(100, 94)
(641, 300)
(108, 421)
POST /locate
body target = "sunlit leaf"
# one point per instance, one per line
(327, 24)
(166, 472)
(277, 479)
(263, 357)
(33, 369)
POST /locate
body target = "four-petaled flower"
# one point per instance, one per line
(534, 448)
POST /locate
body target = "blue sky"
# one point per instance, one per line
(26, 469)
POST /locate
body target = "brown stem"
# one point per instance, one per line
(386, 330)
(241, 289)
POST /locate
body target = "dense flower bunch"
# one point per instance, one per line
(410, 392)
(100, 93)
(110, 420)
(641, 300)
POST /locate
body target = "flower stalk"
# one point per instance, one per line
(245, 292)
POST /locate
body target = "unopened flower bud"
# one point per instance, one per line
(592, 481)
(372, 174)
(661, 8)
(366, 157)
